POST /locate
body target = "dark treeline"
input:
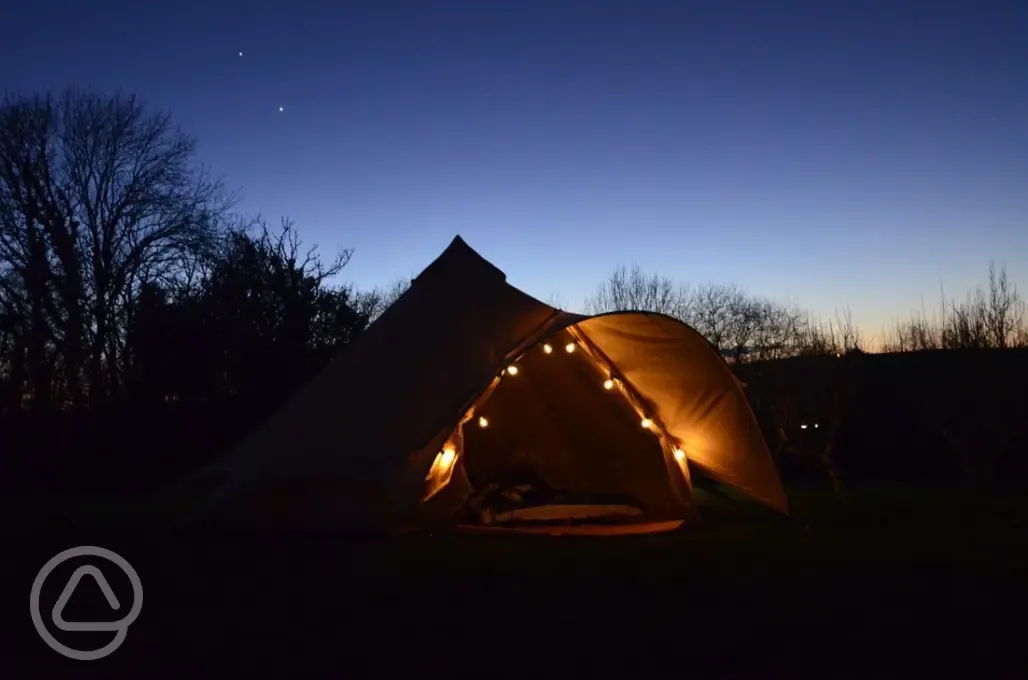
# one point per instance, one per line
(145, 326)
(747, 327)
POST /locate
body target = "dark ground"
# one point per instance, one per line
(882, 584)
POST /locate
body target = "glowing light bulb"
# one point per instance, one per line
(608, 384)
(449, 453)
(679, 454)
(483, 422)
(547, 348)
(647, 423)
(513, 370)
(569, 348)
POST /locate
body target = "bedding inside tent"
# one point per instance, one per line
(556, 443)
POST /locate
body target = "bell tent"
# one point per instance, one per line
(470, 403)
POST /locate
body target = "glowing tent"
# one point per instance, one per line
(466, 379)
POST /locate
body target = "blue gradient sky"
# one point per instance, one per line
(832, 154)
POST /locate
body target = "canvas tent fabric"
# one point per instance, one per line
(356, 443)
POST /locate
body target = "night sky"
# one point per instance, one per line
(827, 153)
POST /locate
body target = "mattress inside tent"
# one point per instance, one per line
(528, 508)
(577, 530)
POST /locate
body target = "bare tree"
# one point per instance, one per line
(1004, 312)
(96, 195)
(968, 325)
(739, 325)
(555, 300)
(916, 334)
(626, 290)
(375, 302)
(712, 312)
(1021, 335)
(995, 317)
(831, 338)
(778, 331)
(851, 337)
(283, 251)
(744, 315)
(818, 338)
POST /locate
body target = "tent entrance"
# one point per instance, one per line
(554, 445)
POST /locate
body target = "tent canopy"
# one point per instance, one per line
(367, 439)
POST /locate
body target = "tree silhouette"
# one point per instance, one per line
(373, 303)
(261, 320)
(96, 197)
(743, 327)
(634, 290)
(130, 299)
(993, 317)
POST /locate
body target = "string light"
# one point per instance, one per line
(448, 455)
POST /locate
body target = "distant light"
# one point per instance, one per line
(647, 423)
(608, 384)
(547, 348)
(569, 348)
(281, 109)
(240, 54)
(679, 454)
(483, 422)
(816, 425)
(803, 426)
(513, 370)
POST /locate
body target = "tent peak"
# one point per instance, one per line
(459, 255)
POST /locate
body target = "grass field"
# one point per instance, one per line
(879, 582)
